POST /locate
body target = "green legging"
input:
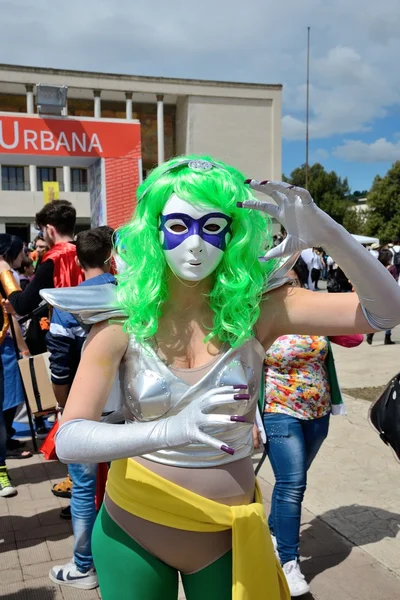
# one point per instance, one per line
(128, 572)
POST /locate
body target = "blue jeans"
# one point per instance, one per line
(83, 512)
(292, 445)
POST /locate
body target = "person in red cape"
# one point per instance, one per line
(58, 268)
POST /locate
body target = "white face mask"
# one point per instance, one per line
(194, 238)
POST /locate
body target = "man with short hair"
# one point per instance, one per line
(58, 268)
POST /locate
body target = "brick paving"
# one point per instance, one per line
(350, 537)
(33, 538)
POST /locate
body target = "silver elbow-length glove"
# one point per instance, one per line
(308, 226)
(84, 441)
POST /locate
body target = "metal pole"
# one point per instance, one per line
(308, 102)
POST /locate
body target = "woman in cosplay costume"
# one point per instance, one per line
(187, 329)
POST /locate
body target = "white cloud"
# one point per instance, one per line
(354, 48)
(380, 150)
(319, 155)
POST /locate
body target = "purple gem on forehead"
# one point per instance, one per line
(194, 227)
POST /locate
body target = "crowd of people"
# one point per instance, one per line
(156, 370)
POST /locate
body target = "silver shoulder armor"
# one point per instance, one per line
(279, 276)
(91, 304)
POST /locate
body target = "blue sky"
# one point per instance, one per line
(355, 49)
(360, 173)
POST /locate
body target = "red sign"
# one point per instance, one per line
(67, 136)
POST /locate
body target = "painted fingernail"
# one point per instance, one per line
(262, 259)
(237, 419)
(247, 181)
(240, 386)
(264, 182)
(241, 397)
(239, 204)
(228, 450)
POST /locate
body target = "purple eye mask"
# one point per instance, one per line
(194, 227)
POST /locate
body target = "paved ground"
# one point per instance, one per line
(350, 541)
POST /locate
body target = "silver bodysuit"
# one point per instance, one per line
(151, 391)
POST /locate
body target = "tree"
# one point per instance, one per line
(354, 221)
(330, 192)
(356, 195)
(383, 215)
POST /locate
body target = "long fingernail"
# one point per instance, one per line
(262, 259)
(240, 386)
(237, 419)
(241, 397)
(264, 182)
(228, 450)
(247, 181)
(239, 204)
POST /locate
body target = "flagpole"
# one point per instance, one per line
(307, 102)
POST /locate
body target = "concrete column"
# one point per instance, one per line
(129, 109)
(30, 104)
(2, 228)
(64, 112)
(66, 170)
(160, 128)
(30, 109)
(67, 179)
(33, 178)
(97, 104)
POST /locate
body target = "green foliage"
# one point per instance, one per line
(354, 221)
(383, 216)
(330, 192)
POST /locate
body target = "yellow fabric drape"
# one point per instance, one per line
(256, 572)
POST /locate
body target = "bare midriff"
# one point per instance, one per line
(188, 551)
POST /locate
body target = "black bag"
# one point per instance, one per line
(384, 415)
(331, 283)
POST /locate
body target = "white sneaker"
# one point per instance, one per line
(70, 576)
(275, 545)
(295, 579)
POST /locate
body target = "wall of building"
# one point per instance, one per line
(239, 131)
(22, 206)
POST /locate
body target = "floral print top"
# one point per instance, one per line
(296, 380)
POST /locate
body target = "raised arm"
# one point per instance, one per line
(81, 438)
(376, 304)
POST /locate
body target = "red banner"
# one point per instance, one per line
(68, 136)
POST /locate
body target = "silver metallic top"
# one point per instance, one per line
(152, 392)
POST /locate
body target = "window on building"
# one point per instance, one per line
(45, 174)
(12, 178)
(79, 180)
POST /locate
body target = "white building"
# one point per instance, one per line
(239, 123)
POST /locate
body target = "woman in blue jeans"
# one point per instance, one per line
(301, 392)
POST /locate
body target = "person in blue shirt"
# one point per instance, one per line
(65, 342)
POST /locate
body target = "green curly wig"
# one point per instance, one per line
(240, 278)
